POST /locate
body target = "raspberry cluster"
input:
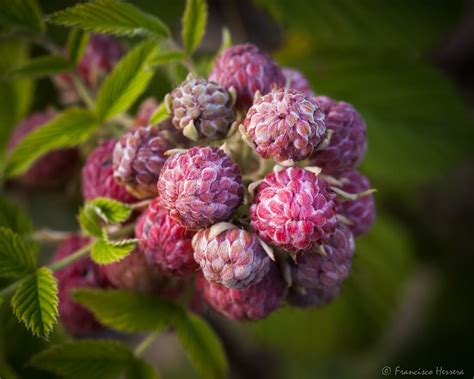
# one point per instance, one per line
(288, 239)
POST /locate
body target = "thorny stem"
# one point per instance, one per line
(145, 343)
(48, 235)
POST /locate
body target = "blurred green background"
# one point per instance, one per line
(408, 67)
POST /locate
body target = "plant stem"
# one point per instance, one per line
(82, 91)
(145, 343)
(48, 235)
(70, 259)
(141, 204)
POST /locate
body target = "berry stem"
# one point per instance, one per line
(145, 343)
(83, 91)
(74, 257)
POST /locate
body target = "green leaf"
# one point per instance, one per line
(76, 44)
(203, 347)
(12, 217)
(104, 251)
(41, 66)
(24, 14)
(194, 24)
(140, 369)
(85, 359)
(90, 221)
(16, 259)
(128, 311)
(168, 57)
(127, 81)
(35, 302)
(99, 210)
(110, 210)
(160, 114)
(112, 17)
(15, 95)
(70, 128)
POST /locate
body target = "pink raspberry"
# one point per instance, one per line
(248, 70)
(314, 297)
(253, 303)
(81, 274)
(297, 81)
(285, 124)
(134, 273)
(101, 55)
(98, 176)
(348, 141)
(294, 209)
(313, 270)
(166, 244)
(200, 187)
(137, 160)
(53, 168)
(234, 258)
(360, 212)
(204, 107)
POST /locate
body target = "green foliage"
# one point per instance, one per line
(35, 302)
(16, 259)
(160, 114)
(203, 347)
(168, 57)
(127, 81)
(41, 66)
(139, 369)
(194, 24)
(15, 95)
(21, 14)
(132, 312)
(76, 44)
(12, 217)
(128, 311)
(105, 251)
(112, 17)
(70, 128)
(86, 359)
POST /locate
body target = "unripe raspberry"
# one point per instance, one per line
(98, 175)
(360, 212)
(253, 303)
(81, 274)
(200, 187)
(142, 118)
(137, 160)
(146, 109)
(53, 168)
(294, 209)
(134, 273)
(313, 270)
(201, 109)
(247, 70)
(297, 81)
(166, 244)
(314, 297)
(285, 125)
(348, 140)
(99, 58)
(234, 258)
